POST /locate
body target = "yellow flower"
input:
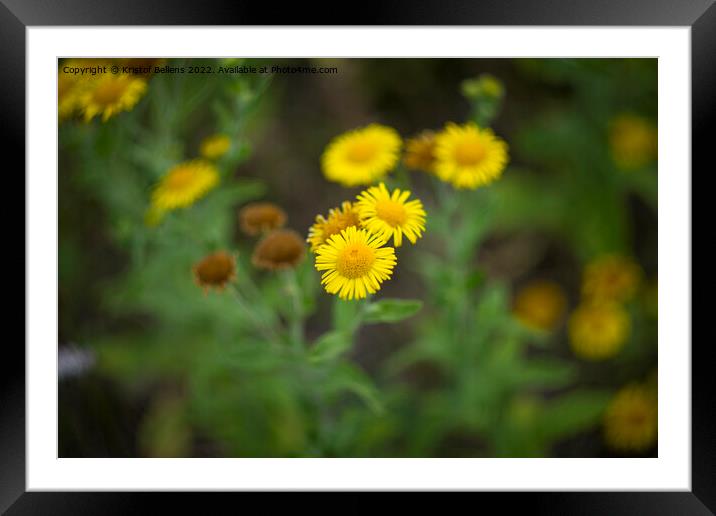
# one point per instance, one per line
(215, 146)
(362, 156)
(540, 305)
(338, 219)
(420, 152)
(632, 141)
(611, 278)
(631, 419)
(468, 156)
(598, 331)
(356, 263)
(387, 214)
(184, 184)
(109, 95)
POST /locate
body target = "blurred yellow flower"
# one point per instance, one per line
(215, 271)
(391, 215)
(540, 305)
(598, 331)
(356, 263)
(631, 419)
(338, 219)
(215, 146)
(420, 152)
(260, 217)
(109, 95)
(468, 156)
(184, 184)
(279, 249)
(633, 141)
(611, 278)
(361, 156)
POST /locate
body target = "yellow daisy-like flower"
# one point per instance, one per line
(338, 219)
(468, 156)
(631, 419)
(184, 184)
(420, 152)
(632, 141)
(611, 278)
(387, 214)
(109, 95)
(362, 156)
(215, 146)
(598, 331)
(356, 263)
(540, 305)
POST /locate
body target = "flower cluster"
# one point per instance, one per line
(466, 156)
(350, 243)
(600, 326)
(102, 95)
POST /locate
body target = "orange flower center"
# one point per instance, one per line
(392, 212)
(355, 261)
(469, 153)
(109, 92)
(361, 151)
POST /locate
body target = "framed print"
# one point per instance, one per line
(423, 252)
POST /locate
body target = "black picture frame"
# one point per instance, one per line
(17, 15)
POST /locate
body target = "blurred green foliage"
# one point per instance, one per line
(464, 378)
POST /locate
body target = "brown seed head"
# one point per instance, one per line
(260, 217)
(280, 249)
(215, 270)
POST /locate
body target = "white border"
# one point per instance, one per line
(670, 471)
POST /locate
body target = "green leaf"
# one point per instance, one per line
(346, 377)
(391, 310)
(330, 345)
(542, 373)
(572, 413)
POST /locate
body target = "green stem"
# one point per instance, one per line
(296, 315)
(260, 324)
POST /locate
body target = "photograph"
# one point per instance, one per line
(357, 257)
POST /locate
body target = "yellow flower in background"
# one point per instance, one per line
(611, 278)
(540, 305)
(633, 141)
(631, 419)
(362, 156)
(338, 219)
(420, 152)
(468, 156)
(109, 95)
(184, 184)
(391, 215)
(215, 146)
(355, 263)
(598, 331)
